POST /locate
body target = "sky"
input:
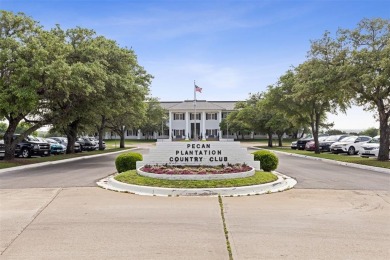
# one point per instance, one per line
(229, 48)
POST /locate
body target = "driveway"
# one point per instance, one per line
(335, 213)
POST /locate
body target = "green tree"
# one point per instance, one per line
(372, 131)
(316, 81)
(132, 114)
(234, 124)
(85, 84)
(126, 83)
(155, 114)
(367, 71)
(31, 64)
(254, 114)
(3, 128)
(279, 122)
(23, 127)
(335, 132)
(291, 108)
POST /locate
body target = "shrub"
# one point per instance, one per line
(268, 160)
(127, 161)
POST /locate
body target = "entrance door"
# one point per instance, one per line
(193, 130)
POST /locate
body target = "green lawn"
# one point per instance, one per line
(25, 161)
(336, 157)
(128, 143)
(132, 177)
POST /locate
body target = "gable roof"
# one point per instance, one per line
(200, 104)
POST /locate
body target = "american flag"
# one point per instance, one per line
(198, 89)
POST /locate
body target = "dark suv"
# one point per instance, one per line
(325, 144)
(31, 146)
(301, 143)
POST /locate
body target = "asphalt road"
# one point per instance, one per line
(315, 174)
(81, 173)
(310, 174)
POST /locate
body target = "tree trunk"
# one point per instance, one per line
(122, 141)
(384, 132)
(315, 134)
(71, 134)
(9, 142)
(270, 139)
(280, 140)
(101, 132)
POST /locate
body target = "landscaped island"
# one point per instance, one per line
(158, 176)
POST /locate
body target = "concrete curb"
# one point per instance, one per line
(34, 165)
(283, 183)
(353, 165)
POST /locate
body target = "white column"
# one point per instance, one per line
(252, 135)
(139, 134)
(187, 121)
(220, 120)
(170, 125)
(203, 126)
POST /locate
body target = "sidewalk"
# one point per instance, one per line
(92, 223)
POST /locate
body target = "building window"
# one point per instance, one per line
(212, 132)
(192, 117)
(178, 116)
(224, 115)
(131, 132)
(179, 132)
(211, 116)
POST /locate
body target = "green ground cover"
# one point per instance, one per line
(131, 177)
(128, 143)
(25, 161)
(331, 156)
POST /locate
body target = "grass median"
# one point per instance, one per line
(26, 161)
(260, 177)
(336, 157)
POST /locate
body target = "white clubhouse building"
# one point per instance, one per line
(182, 121)
(183, 124)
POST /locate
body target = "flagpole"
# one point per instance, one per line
(195, 136)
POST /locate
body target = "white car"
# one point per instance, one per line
(350, 145)
(371, 148)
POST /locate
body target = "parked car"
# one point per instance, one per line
(325, 144)
(56, 147)
(31, 146)
(311, 146)
(2, 149)
(64, 141)
(93, 139)
(86, 144)
(350, 145)
(371, 148)
(294, 145)
(301, 143)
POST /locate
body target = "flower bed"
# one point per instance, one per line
(170, 169)
(169, 172)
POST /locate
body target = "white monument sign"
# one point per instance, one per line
(198, 153)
